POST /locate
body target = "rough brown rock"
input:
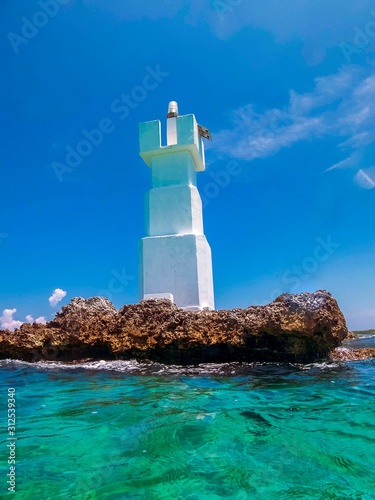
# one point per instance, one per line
(301, 328)
(347, 354)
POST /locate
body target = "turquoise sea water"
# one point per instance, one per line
(123, 430)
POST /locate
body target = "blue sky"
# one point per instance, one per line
(288, 91)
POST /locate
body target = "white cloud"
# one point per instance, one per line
(8, 322)
(366, 178)
(349, 162)
(56, 297)
(340, 106)
(305, 20)
(41, 320)
(309, 22)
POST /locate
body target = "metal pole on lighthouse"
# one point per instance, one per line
(175, 258)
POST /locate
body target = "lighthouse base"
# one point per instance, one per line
(179, 265)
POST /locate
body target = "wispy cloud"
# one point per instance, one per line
(56, 297)
(7, 321)
(302, 20)
(366, 178)
(340, 106)
(349, 162)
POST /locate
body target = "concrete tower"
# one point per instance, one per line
(175, 258)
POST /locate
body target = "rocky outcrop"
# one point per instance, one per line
(347, 354)
(301, 328)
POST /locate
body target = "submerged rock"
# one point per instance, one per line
(301, 328)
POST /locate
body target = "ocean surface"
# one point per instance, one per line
(144, 431)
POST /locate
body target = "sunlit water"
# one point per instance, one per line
(124, 430)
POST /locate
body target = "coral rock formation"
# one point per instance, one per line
(301, 328)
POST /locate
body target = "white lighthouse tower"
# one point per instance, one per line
(174, 258)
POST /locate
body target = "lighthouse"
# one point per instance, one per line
(175, 258)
